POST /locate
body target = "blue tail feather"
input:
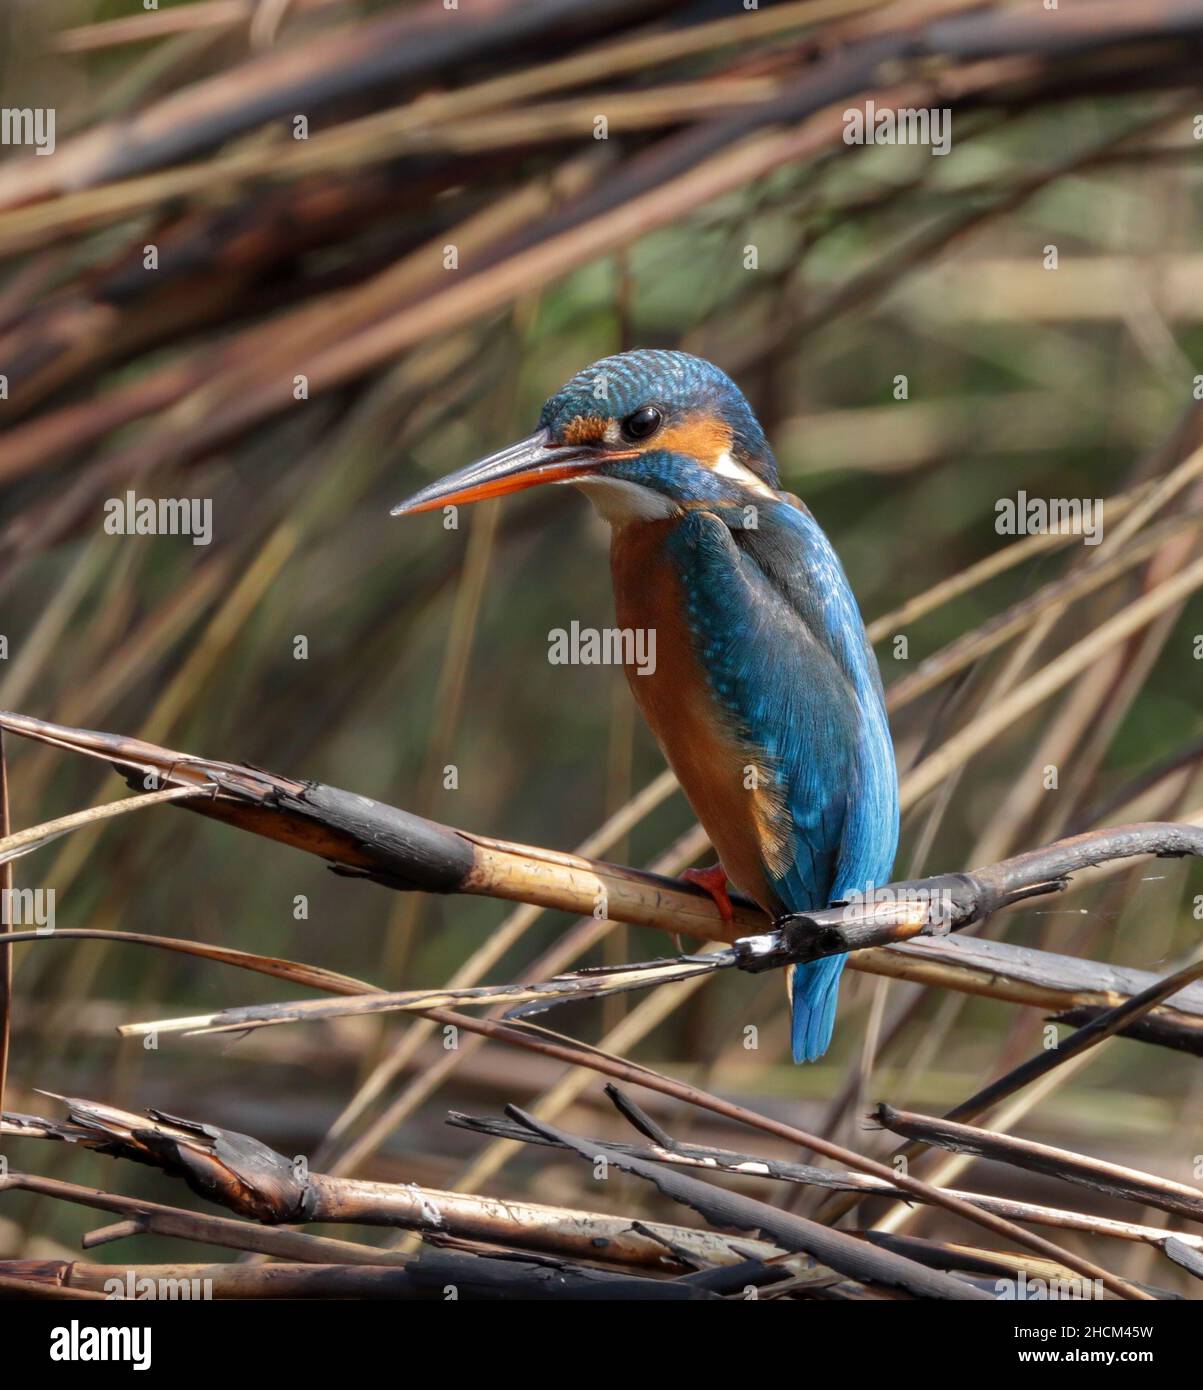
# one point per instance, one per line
(815, 991)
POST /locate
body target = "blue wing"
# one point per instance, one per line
(782, 644)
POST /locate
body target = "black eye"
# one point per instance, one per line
(641, 423)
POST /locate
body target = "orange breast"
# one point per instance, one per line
(709, 761)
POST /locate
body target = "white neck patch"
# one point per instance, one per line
(728, 467)
(620, 502)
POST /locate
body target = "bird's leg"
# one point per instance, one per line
(714, 880)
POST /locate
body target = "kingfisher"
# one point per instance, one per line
(765, 695)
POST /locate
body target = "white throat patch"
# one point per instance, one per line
(620, 502)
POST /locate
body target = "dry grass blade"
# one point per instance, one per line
(950, 902)
(972, 576)
(962, 745)
(22, 842)
(1050, 600)
(1106, 1025)
(713, 1159)
(538, 1040)
(295, 972)
(1128, 1184)
(628, 1033)
(836, 1249)
(588, 984)
(491, 950)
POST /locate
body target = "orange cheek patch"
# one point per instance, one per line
(702, 437)
(586, 429)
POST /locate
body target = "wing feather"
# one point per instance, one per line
(782, 644)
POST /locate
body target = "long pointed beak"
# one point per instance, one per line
(526, 464)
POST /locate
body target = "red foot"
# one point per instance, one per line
(714, 881)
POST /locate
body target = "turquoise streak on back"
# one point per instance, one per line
(785, 653)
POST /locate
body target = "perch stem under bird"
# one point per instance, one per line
(765, 694)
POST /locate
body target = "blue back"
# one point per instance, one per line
(782, 643)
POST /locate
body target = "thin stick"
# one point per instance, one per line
(747, 1165)
(963, 744)
(1106, 1025)
(895, 913)
(553, 1046)
(973, 576)
(1130, 1184)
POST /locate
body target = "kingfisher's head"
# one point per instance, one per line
(644, 434)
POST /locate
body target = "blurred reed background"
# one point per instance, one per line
(326, 257)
